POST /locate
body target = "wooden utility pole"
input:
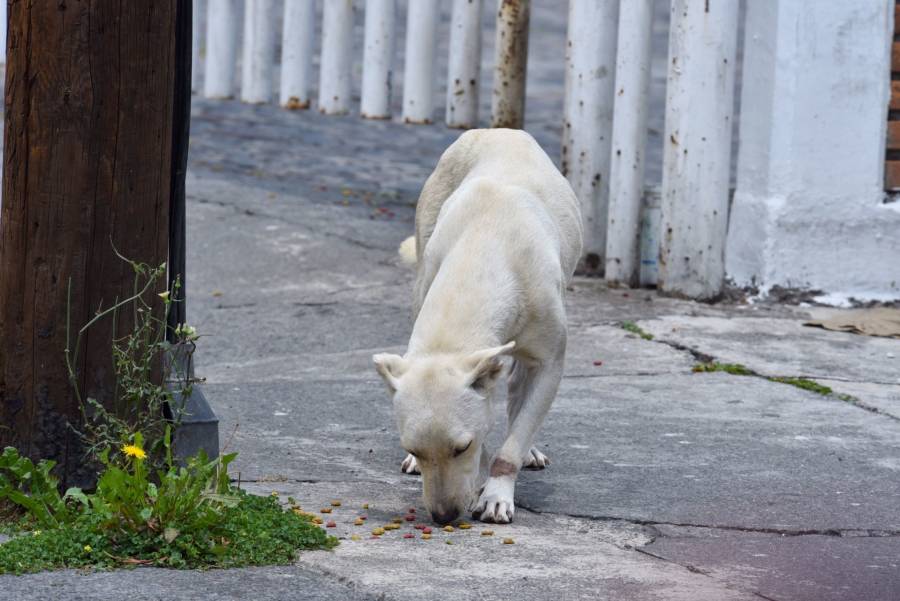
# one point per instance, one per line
(97, 99)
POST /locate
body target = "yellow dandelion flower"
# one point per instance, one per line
(88, 549)
(134, 451)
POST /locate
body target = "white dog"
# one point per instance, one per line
(498, 235)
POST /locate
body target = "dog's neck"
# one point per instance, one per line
(467, 307)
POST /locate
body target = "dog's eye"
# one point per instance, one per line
(458, 452)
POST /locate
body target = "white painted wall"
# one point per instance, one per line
(808, 211)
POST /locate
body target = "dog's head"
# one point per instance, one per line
(442, 404)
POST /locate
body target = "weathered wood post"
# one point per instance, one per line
(378, 59)
(629, 138)
(510, 64)
(697, 156)
(418, 73)
(97, 110)
(221, 48)
(337, 54)
(588, 114)
(258, 63)
(297, 42)
(464, 64)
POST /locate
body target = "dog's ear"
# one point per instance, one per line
(391, 367)
(485, 366)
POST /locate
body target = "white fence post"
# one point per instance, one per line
(510, 63)
(464, 64)
(697, 156)
(221, 48)
(629, 138)
(588, 113)
(418, 73)
(199, 9)
(337, 54)
(378, 58)
(297, 43)
(259, 51)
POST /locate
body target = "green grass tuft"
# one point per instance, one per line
(256, 531)
(804, 384)
(630, 326)
(735, 369)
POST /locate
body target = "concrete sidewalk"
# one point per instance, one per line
(665, 484)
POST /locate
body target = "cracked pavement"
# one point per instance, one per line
(665, 484)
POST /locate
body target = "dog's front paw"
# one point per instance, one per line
(496, 501)
(535, 460)
(409, 465)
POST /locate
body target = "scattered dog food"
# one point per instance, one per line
(412, 509)
(487, 533)
(449, 542)
(448, 528)
(410, 518)
(365, 506)
(358, 522)
(331, 524)
(419, 526)
(598, 362)
(397, 520)
(465, 526)
(409, 535)
(335, 503)
(426, 530)
(508, 541)
(426, 537)
(355, 537)
(377, 531)
(325, 510)
(391, 526)
(317, 520)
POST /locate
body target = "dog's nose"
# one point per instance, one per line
(445, 517)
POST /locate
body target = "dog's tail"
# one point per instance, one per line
(407, 251)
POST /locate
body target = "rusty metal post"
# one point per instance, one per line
(297, 42)
(418, 73)
(378, 59)
(337, 57)
(511, 61)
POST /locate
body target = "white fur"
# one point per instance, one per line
(498, 234)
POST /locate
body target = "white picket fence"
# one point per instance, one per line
(604, 117)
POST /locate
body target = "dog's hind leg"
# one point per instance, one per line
(517, 388)
(410, 465)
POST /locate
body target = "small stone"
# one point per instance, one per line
(508, 541)
(448, 528)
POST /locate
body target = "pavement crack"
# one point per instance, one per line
(836, 532)
(705, 358)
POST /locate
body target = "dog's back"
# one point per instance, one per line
(503, 157)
